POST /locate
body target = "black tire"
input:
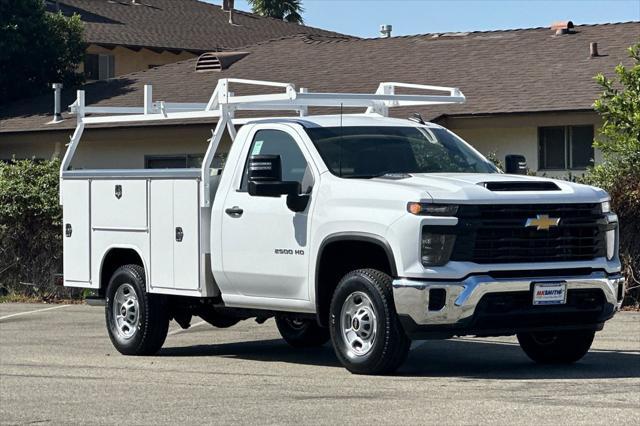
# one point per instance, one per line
(148, 336)
(389, 346)
(301, 333)
(564, 347)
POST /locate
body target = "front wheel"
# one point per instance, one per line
(301, 332)
(366, 333)
(564, 347)
(136, 320)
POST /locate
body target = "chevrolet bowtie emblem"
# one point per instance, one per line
(542, 222)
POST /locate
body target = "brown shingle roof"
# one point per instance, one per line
(517, 71)
(175, 24)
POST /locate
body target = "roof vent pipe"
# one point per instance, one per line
(227, 6)
(563, 27)
(385, 31)
(593, 50)
(57, 112)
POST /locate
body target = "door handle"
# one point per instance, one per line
(234, 211)
(179, 234)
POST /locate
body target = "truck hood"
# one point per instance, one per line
(466, 188)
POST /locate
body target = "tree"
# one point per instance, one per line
(619, 107)
(619, 173)
(37, 48)
(287, 10)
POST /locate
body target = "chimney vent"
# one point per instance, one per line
(57, 112)
(593, 50)
(562, 27)
(385, 31)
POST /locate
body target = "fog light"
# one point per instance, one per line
(437, 299)
(436, 248)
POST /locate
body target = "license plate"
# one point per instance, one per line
(549, 293)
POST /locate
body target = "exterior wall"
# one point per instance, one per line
(518, 134)
(127, 147)
(128, 60)
(111, 148)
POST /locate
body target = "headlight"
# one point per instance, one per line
(429, 209)
(611, 234)
(606, 207)
(611, 244)
(435, 249)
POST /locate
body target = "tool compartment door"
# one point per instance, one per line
(76, 235)
(119, 205)
(162, 238)
(186, 253)
(175, 234)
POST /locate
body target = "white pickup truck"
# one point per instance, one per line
(361, 229)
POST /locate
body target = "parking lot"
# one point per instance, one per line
(57, 365)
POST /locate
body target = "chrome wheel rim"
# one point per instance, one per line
(358, 324)
(126, 311)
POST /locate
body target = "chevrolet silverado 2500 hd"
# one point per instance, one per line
(361, 229)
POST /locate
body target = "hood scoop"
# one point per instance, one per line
(520, 186)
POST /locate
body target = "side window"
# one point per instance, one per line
(99, 67)
(294, 165)
(565, 147)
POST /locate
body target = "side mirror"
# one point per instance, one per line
(515, 165)
(264, 177)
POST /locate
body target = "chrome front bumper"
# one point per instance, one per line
(462, 297)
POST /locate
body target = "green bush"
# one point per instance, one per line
(30, 227)
(619, 173)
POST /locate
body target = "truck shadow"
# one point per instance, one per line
(446, 358)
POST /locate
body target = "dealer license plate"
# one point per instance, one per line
(550, 293)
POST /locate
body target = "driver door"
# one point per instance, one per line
(266, 244)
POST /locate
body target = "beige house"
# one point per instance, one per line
(529, 92)
(134, 35)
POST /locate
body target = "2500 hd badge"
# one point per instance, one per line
(289, 251)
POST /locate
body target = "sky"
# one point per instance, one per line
(363, 17)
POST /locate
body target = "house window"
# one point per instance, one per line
(565, 147)
(99, 67)
(180, 161)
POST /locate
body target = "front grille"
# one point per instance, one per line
(497, 233)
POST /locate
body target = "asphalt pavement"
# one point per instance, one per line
(57, 366)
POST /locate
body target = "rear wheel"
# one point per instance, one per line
(564, 347)
(137, 321)
(301, 332)
(365, 330)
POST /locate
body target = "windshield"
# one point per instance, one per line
(365, 152)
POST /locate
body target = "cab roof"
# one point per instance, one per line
(337, 120)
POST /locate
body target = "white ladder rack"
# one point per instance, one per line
(223, 103)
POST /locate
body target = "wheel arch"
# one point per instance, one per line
(379, 255)
(116, 256)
